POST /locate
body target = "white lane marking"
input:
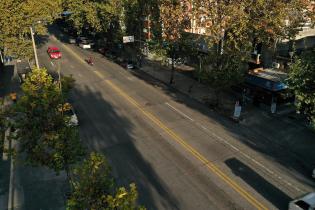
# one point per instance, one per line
(283, 180)
(52, 63)
(131, 78)
(181, 113)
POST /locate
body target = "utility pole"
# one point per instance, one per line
(34, 46)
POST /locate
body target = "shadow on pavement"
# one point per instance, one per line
(41, 40)
(4, 181)
(42, 189)
(104, 130)
(262, 186)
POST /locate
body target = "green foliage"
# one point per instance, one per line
(234, 27)
(16, 18)
(123, 199)
(42, 129)
(94, 188)
(266, 19)
(302, 81)
(94, 15)
(230, 70)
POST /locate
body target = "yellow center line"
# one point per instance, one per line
(99, 74)
(191, 150)
(211, 167)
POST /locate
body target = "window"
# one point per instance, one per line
(302, 204)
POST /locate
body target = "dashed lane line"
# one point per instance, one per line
(180, 112)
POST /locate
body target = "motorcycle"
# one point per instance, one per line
(89, 61)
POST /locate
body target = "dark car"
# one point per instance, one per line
(130, 65)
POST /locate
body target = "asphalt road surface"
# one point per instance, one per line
(179, 154)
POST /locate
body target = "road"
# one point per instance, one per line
(179, 154)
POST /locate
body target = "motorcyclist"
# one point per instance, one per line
(90, 60)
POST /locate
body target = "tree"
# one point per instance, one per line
(93, 15)
(174, 22)
(94, 187)
(270, 21)
(17, 16)
(228, 45)
(48, 140)
(302, 81)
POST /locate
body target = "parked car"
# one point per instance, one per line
(72, 119)
(84, 42)
(130, 65)
(80, 39)
(72, 40)
(54, 52)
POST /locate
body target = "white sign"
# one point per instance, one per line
(273, 107)
(237, 111)
(127, 39)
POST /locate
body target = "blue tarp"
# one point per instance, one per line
(265, 83)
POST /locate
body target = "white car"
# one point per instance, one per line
(306, 202)
(72, 40)
(130, 65)
(85, 44)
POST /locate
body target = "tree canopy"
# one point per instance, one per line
(48, 140)
(94, 15)
(302, 81)
(94, 187)
(17, 16)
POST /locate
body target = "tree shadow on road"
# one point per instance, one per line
(261, 185)
(104, 130)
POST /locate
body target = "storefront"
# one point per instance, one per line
(267, 86)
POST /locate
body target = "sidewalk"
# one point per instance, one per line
(285, 131)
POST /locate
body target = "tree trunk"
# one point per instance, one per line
(173, 66)
(172, 72)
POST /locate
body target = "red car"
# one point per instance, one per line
(54, 52)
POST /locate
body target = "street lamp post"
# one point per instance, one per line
(33, 40)
(34, 46)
